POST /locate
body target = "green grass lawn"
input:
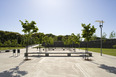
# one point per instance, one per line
(7, 48)
(107, 51)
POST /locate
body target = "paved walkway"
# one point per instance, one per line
(56, 66)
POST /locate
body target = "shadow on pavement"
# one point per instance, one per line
(14, 72)
(108, 68)
(13, 56)
(95, 63)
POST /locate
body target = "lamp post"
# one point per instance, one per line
(101, 26)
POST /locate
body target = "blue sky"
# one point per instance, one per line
(59, 17)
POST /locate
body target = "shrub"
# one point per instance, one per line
(1, 44)
(14, 43)
(7, 43)
(114, 46)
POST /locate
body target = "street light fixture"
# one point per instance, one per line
(101, 26)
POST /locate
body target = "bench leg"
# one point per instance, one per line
(46, 54)
(90, 54)
(26, 54)
(69, 54)
(86, 57)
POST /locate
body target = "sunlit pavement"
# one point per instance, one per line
(56, 65)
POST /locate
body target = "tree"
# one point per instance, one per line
(59, 38)
(75, 39)
(7, 43)
(50, 35)
(65, 40)
(23, 40)
(93, 38)
(104, 35)
(78, 37)
(51, 41)
(55, 38)
(14, 43)
(112, 35)
(40, 36)
(1, 43)
(28, 29)
(69, 40)
(87, 32)
(46, 40)
(6, 35)
(36, 40)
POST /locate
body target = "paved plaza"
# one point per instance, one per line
(56, 65)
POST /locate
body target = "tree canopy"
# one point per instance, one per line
(112, 35)
(88, 31)
(29, 28)
(104, 35)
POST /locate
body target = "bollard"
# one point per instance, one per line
(90, 54)
(18, 52)
(14, 52)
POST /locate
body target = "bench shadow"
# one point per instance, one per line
(13, 56)
(14, 72)
(109, 69)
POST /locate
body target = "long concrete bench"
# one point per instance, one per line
(68, 53)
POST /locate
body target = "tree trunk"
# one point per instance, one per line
(27, 48)
(87, 46)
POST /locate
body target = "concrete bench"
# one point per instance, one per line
(68, 53)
